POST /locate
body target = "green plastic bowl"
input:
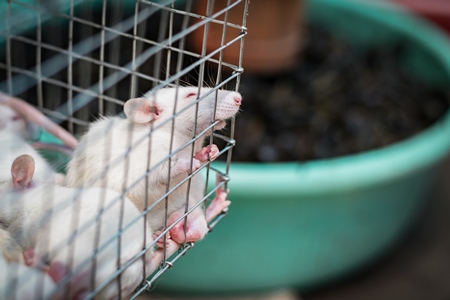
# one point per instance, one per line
(303, 224)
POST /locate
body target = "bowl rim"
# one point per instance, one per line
(372, 167)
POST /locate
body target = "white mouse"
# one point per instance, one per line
(44, 217)
(19, 282)
(116, 153)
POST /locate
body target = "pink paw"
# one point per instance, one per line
(217, 205)
(210, 152)
(160, 242)
(154, 261)
(178, 234)
(177, 231)
(196, 228)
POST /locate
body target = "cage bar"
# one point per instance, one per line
(88, 58)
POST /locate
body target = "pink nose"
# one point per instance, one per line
(237, 100)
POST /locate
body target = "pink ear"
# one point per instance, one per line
(141, 110)
(22, 171)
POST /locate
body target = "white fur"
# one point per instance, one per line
(13, 134)
(10, 250)
(12, 146)
(116, 153)
(45, 216)
(12, 121)
(18, 282)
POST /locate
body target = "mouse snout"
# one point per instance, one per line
(237, 99)
(233, 99)
(228, 106)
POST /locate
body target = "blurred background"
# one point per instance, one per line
(339, 190)
(417, 267)
(339, 181)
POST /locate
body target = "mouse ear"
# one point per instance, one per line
(141, 110)
(22, 171)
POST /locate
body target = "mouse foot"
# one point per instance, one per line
(217, 205)
(196, 227)
(159, 255)
(208, 153)
(160, 242)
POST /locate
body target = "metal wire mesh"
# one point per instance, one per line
(79, 60)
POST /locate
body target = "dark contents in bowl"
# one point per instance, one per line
(336, 101)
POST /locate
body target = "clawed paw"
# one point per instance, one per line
(208, 153)
(191, 230)
(219, 203)
(160, 239)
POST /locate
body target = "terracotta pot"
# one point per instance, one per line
(274, 34)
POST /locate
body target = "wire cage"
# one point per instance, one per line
(76, 61)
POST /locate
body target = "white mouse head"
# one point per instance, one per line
(11, 121)
(160, 106)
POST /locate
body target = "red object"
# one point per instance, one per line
(437, 11)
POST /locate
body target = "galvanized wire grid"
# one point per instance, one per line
(77, 60)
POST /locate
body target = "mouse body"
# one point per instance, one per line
(61, 228)
(19, 282)
(118, 153)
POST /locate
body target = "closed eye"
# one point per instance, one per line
(191, 95)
